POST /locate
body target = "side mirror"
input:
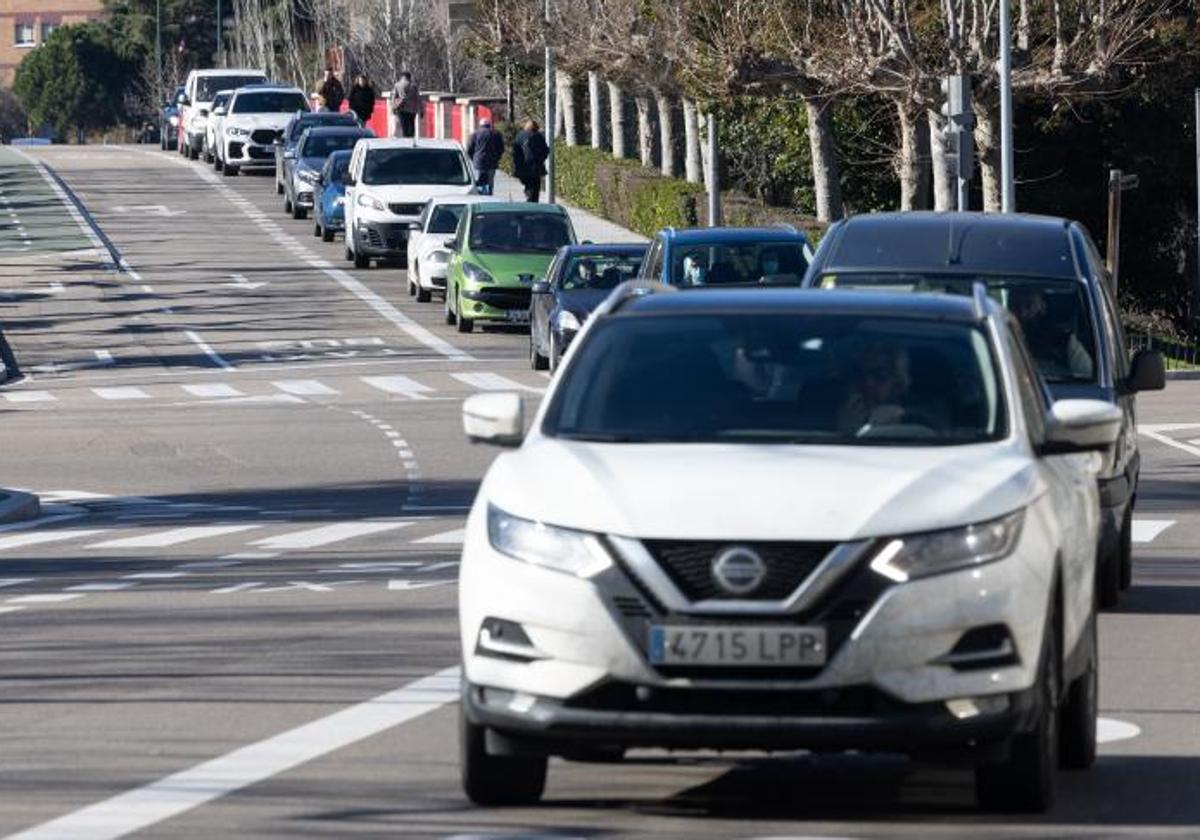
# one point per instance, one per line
(1081, 426)
(1146, 373)
(219, 111)
(183, 100)
(496, 418)
(451, 244)
(289, 154)
(415, 226)
(541, 288)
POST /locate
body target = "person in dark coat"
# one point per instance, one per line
(485, 148)
(362, 98)
(406, 104)
(333, 92)
(530, 152)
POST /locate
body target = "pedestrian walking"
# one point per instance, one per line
(530, 152)
(362, 97)
(332, 90)
(406, 102)
(485, 148)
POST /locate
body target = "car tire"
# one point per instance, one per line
(1025, 781)
(299, 213)
(229, 171)
(278, 187)
(1108, 578)
(193, 154)
(1077, 720)
(555, 355)
(217, 165)
(1125, 554)
(451, 318)
(326, 234)
(361, 260)
(316, 228)
(347, 254)
(497, 779)
(536, 360)
(287, 205)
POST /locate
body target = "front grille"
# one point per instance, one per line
(389, 237)
(261, 154)
(406, 209)
(690, 567)
(437, 282)
(504, 297)
(624, 697)
(265, 137)
(631, 606)
(235, 149)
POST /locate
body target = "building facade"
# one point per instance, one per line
(25, 24)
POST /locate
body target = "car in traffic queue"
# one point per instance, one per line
(212, 125)
(304, 163)
(254, 120)
(579, 280)
(168, 122)
(195, 102)
(296, 126)
(428, 256)
(1050, 274)
(772, 526)
(496, 255)
(329, 196)
(390, 181)
(728, 256)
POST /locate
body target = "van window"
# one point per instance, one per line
(416, 166)
(208, 86)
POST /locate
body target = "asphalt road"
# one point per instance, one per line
(236, 616)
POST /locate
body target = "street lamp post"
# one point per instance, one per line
(158, 68)
(548, 125)
(217, 58)
(1008, 201)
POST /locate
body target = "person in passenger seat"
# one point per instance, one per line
(876, 391)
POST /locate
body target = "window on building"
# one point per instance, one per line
(24, 34)
(47, 29)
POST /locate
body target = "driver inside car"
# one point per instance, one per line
(694, 270)
(876, 392)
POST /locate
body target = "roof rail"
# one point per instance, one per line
(982, 302)
(629, 290)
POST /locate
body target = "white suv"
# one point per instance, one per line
(766, 519)
(196, 101)
(388, 185)
(253, 122)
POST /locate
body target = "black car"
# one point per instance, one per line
(168, 122)
(580, 277)
(295, 127)
(302, 166)
(1050, 275)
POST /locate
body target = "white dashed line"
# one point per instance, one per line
(1147, 530)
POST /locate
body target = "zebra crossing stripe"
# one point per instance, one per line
(30, 396)
(213, 389)
(42, 537)
(125, 392)
(403, 385)
(174, 536)
(326, 535)
(305, 388)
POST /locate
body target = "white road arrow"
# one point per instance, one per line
(406, 585)
(241, 282)
(152, 209)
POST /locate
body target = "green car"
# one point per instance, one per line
(499, 251)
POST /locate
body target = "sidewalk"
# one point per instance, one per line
(588, 227)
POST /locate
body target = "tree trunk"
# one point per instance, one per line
(944, 185)
(594, 118)
(987, 140)
(924, 164)
(827, 175)
(691, 142)
(666, 133)
(907, 164)
(616, 117)
(707, 162)
(565, 105)
(645, 129)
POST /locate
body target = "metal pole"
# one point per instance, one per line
(964, 195)
(1196, 304)
(1008, 201)
(549, 114)
(1113, 257)
(158, 50)
(217, 57)
(714, 172)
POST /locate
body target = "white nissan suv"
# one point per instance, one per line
(253, 123)
(774, 520)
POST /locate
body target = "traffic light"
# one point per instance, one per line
(960, 125)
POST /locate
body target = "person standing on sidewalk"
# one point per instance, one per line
(529, 159)
(362, 98)
(485, 148)
(406, 103)
(332, 90)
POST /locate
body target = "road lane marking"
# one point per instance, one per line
(1147, 530)
(213, 389)
(103, 586)
(172, 795)
(104, 357)
(326, 535)
(1109, 730)
(409, 585)
(42, 537)
(304, 388)
(6, 582)
(208, 351)
(237, 587)
(494, 382)
(403, 385)
(44, 598)
(174, 536)
(454, 537)
(124, 392)
(154, 575)
(29, 396)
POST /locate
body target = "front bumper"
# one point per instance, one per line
(507, 304)
(246, 154)
(387, 240)
(304, 197)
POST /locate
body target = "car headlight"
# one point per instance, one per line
(561, 549)
(439, 257)
(920, 555)
(173, 120)
(371, 201)
(476, 274)
(566, 321)
(308, 176)
(234, 131)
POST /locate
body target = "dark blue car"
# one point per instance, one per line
(578, 280)
(728, 256)
(329, 195)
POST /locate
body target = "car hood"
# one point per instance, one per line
(314, 163)
(507, 268)
(742, 491)
(413, 193)
(582, 301)
(275, 122)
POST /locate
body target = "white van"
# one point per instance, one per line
(199, 91)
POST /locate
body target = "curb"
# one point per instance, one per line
(17, 507)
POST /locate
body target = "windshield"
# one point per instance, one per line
(336, 167)
(208, 86)
(1054, 314)
(308, 120)
(445, 218)
(320, 146)
(788, 378)
(221, 101)
(599, 271)
(269, 102)
(746, 263)
(525, 233)
(416, 166)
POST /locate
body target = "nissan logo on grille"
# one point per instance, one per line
(739, 570)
